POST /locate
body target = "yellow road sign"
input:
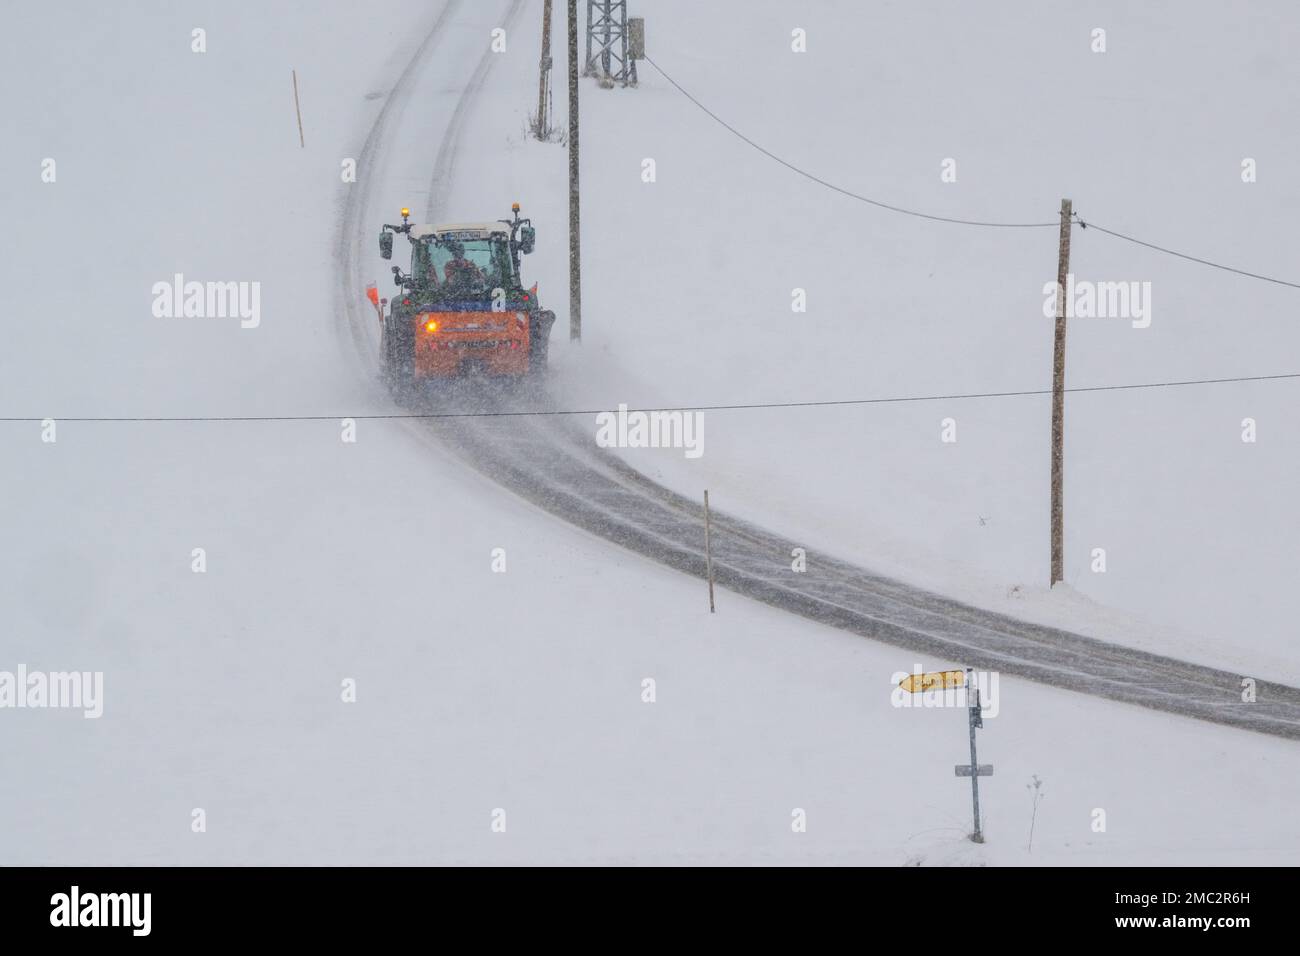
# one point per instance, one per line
(936, 680)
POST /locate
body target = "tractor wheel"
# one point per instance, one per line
(539, 340)
(399, 357)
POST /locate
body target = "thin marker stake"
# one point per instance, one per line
(708, 551)
(297, 109)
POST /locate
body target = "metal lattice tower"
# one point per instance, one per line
(607, 42)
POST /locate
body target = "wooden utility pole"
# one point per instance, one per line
(708, 550)
(1058, 395)
(544, 73)
(575, 243)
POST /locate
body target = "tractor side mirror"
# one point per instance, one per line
(386, 244)
(527, 239)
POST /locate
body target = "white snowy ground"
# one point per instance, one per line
(371, 560)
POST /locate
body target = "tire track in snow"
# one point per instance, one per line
(353, 226)
(556, 466)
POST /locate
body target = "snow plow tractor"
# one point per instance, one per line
(462, 309)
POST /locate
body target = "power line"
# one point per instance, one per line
(840, 189)
(1183, 255)
(745, 406)
(964, 222)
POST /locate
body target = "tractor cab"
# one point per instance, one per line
(463, 262)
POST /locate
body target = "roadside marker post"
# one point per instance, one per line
(708, 551)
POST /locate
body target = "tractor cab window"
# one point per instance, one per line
(422, 267)
(474, 266)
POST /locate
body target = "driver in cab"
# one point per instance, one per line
(459, 272)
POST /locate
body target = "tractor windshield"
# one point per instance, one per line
(464, 267)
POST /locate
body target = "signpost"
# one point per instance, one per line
(938, 680)
(951, 680)
(975, 769)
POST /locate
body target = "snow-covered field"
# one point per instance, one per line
(371, 561)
